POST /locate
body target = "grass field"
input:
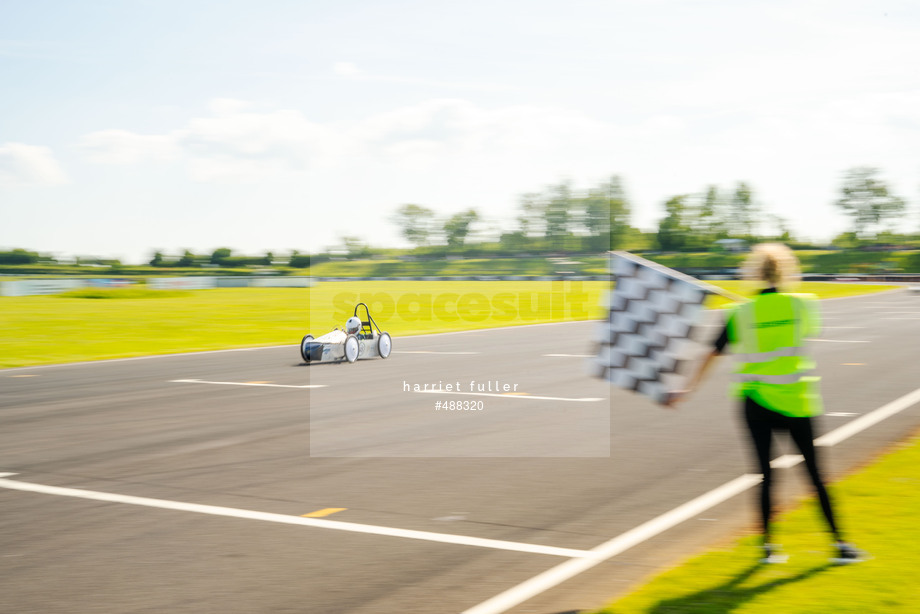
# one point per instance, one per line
(821, 289)
(880, 505)
(411, 308)
(96, 324)
(80, 326)
(536, 266)
(38, 330)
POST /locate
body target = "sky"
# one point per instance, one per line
(132, 126)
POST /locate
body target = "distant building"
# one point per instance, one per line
(732, 245)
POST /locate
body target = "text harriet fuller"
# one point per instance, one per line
(474, 386)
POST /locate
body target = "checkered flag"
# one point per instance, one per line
(647, 335)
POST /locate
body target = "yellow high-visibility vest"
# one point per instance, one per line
(768, 337)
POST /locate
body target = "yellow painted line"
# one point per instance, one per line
(23, 376)
(328, 511)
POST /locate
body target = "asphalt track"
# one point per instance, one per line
(181, 483)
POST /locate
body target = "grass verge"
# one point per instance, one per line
(822, 289)
(122, 293)
(420, 307)
(75, 326)
(880, 506)
(36, 330)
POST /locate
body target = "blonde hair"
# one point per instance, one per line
(773, 264)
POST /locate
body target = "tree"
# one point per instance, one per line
(672, 230)
(743, 211)
(557, 215)
(712, 223)
(415, 223)
(514, 242)
(19, 256)
(531, 218)
(783, 231)
(457, 227)
(867, 200)
(220, 254)
(299, 261)
(595, 217)
(355, 247)
(157, 259)
(187, 259)
(605, 215)
(619, 212)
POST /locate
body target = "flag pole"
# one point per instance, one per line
(678, 275)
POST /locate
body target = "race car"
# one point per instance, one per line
(358, 340)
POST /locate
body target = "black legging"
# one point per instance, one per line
(762, 422)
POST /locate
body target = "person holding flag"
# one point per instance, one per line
(775, 380)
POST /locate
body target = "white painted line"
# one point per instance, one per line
(495, 328)
(193, 448)
(150, 357)
(201, 381)
(319, 523)
(569, 569)
(893, 303)
(275, 347)
(903, 313)
(512, 396)
(872, 418)
(858, 297)
(841, 414)
(786, 461)
(431, 352)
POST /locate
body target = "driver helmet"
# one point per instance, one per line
(353, 325)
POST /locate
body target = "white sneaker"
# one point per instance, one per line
(848, 554)
(772, 554)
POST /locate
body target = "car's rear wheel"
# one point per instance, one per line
(303, 347)
(351, 348)
(384, 345)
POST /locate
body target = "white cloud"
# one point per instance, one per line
(221, 168)
(349, 70)
(29, 165)
(274, 134)
(124, 147)
(233, 144)
(228, 106)
(346, 69)
(448, 153)
(239, 143)
(459, 128)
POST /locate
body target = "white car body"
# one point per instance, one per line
(339, 345)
